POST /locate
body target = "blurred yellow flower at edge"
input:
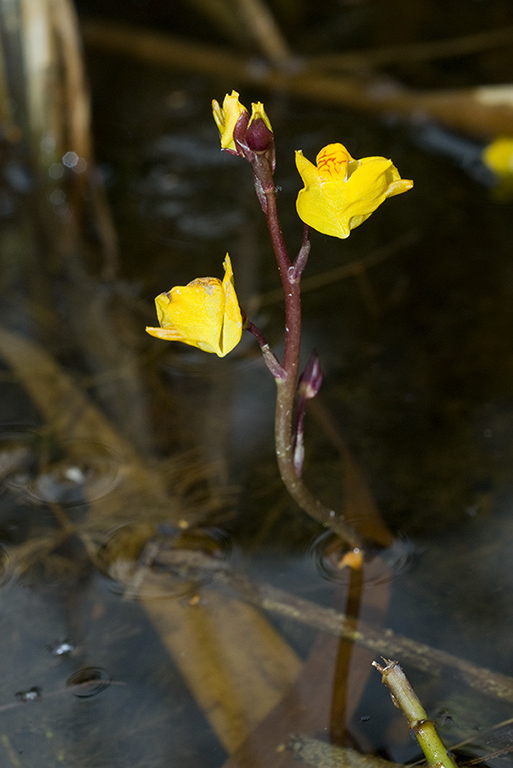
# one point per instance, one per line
(204, 314)
(340, 192)
(498, 156)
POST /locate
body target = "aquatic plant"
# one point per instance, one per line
(339, 194)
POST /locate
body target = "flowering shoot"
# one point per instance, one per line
(339, 194)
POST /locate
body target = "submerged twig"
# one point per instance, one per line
(266, 31)
(419, 51)
(422, 656)
(386, 643)
(322, 755)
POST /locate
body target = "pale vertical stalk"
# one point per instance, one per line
(421, 726)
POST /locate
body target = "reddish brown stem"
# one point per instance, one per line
(290, 275)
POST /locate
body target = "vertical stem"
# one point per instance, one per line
(286, 386)
(291, 289)
(283, 432)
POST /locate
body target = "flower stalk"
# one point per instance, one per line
(339, 194)
(256, 144)
(285, 433)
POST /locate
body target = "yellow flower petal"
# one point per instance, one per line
(340, 193)
(333, 161)
(204, 314)
(231, 331)
(227, 117)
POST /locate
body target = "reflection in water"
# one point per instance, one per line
(95, 500)
(6, 563)
(138, 559)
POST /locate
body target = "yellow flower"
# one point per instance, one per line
(340, 193)
(204, 314)
(227, 117)
(498, 156)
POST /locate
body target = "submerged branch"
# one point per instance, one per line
(419, 51)
(266, 31)
(385, 643)
(323, 755)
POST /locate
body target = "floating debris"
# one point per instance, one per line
(61, 648)
(33, 694)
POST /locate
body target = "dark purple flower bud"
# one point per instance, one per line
(258, 136)
(311, 379)
(240, 132)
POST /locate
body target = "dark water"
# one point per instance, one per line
(141, 510)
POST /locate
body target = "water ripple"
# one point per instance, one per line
(380, 564)
(88, 682)
(67, 472)
(144, 562)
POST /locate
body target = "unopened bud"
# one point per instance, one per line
(258, 136)
(311, 379)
